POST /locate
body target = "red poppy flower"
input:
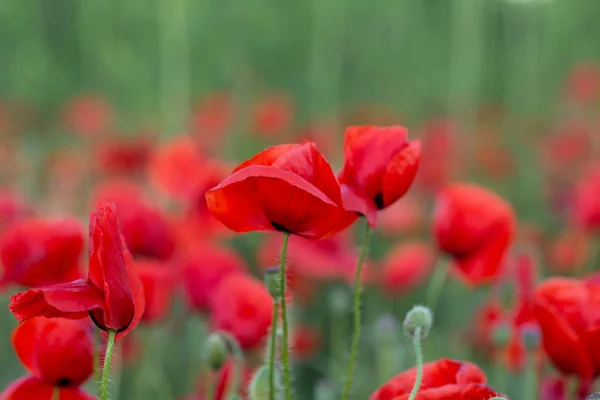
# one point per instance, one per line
(305, 341)
(406, 266)
(112, 295)
(57, 351)
(124, 156)
(31, 388)
(251, 198)
(475, 227)
(586, 206)
(443, 379)
(211, 118)
(272, 114)
(38, 252)
(568, 252)
(159, 282)
(87, 115)
(12, 208)
(568, 147)
(222, 381)
(583, 84)
(204, 269)
(568, 314)
(242, 306)
(380, 163)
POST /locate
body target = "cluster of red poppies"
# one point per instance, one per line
(161, 232)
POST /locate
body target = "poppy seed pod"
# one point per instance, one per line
(273, 282)
(501, 335)
(420, 317)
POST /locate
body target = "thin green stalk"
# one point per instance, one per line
(56, 393)
(594, 255)
(419, 356)
(106, 368)
(531, 382)
(436, 286)
(272, 347)
(357, 316)
(285, 351)
(238, 365)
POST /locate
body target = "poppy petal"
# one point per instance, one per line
(139, 299)
(260, 198)
(357, 203)
(23, 338)
(401, 172)
(472, 391)
(31, 388)
(67, 300)
(266, 157)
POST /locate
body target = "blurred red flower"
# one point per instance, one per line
(204, 269)
(223, 380)
(380, 163)
(57, 352)
(211, 118)
(251, 198)
(12, 208)
(305, 341)
(568, 252)
(586, 203)
(568, 313)
(242, 306)
(443, 379)
(583, 83)
(38, 252)
(119, 156)
(159, 281)
(475, 227)
(112, 295)
(406, 266)
(87, 115)
(272, 114)
(404, 216)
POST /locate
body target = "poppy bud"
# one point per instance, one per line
(339, 301)
(501, 335)
(531, 337)
(419, 317)
(216, 351)
(272, 281)
(259, 386)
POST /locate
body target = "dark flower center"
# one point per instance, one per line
(279, 227)
(103, 327)
(378, 200)
(63, 382)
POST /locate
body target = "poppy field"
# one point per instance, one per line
(307, 200)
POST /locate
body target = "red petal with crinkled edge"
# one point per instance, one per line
(107, 269)
(30, 388)
(401, 172)
(67, 300)
(471, 391)
(259, 198)
(359, 204)
(303, 160)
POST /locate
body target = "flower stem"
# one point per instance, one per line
(436, 286)
(531, 382)
(419, 356)
(357, 316)
(106, 368)
(238, 365)
(56, 393)
(272, 347)
(285, 351)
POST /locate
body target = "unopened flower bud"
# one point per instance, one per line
(272, 280)
(259, 385)
(531, 336)
(216, 351)
(420, 317)
(501, 335)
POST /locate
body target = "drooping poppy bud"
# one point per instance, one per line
(419, 317)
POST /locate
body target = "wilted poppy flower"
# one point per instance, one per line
(38, 252)
(112, 295)
(568, 252)
(568, 313)
(305, 341)
(583, 83)
(58, 352)
(586, 204)
(242, 306)
(87, 115)
(380, 163)
(204, 269)
(406, 266)
(272, 114)
(443, 379)
(475, 227)
(159, 282)
(251, 198)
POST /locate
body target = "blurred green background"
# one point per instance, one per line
(153, 60)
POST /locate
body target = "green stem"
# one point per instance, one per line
(357, 319)
(238, 365)
(419, 356)
(436, 286)
(106, 368)
(285, 350)
(594, 254)
(531, 384)
(56, 393)
(272, 347)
